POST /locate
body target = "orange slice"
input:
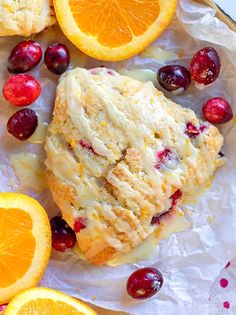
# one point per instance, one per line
(25, 244)
(113, 29)
(42, 301)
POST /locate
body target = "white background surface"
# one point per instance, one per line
(228, 6)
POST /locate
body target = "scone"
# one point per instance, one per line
(25, 17)
(119, 154)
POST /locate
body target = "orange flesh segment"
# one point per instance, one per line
(48, 306)
(17, 245)
(114, 22)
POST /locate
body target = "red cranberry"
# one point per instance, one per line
(79, 224)
(24, 56)
(168, 159)
(205, 66)
(144, 283)
(202, 128)
(162, 157)
(23, 124)
(175, 197)
(57, 58)
(217, 111)
(174, 200)
(21, 90)
(63, 237)
(174, 78)
(2, 308)
(221, 154)
(156, 219)
(110, 72)
(191, 131)
(87, 146)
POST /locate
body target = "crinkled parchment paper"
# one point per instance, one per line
(190, 260)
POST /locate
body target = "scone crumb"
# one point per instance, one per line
(94, 298)
(133, 158)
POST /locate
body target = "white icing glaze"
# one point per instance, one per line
(158, 53)
(29, 171)
(170, 224)
(143, 75)
(39, 136)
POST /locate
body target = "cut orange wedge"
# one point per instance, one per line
(25, 244)
(113, 29)
(42, 301)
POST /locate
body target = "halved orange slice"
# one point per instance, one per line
(25, 244)
(113, 29)
(42, 301)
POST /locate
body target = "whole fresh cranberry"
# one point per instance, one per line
(144, 283)
(217, 111)
(57, 58)
(174, 78)
(205, 66)
(63, 237)
(24, 56)
(21, 90)
(23, 124)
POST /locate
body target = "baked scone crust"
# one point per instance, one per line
(118, 154)
(25, 17)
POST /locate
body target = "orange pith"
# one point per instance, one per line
(114, 22)
(48, 306)
(15, 237)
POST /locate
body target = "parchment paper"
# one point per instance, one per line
(190, 260)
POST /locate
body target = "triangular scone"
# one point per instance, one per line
(118, 154)
(25, 17)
